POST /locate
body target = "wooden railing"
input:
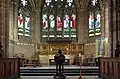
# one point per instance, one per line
(110, 68)
(9, 67)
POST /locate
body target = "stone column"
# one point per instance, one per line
(105, 31)
(36, 19)
(4, 25)
(81, 26)
(2, 17)
(102, 11)
(118, 19)
(13, 27)
(112, 22)
(35, 26)
(13, 13)
(106, 26)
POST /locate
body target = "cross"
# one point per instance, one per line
(48, 2)
(69, 2)
(94, 2)
(24, 2)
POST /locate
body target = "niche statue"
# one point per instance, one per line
(59, 59)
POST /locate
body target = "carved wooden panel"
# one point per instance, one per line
(73, 47)
(42, 48)
(80, 48)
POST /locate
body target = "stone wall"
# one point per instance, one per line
(27, 49)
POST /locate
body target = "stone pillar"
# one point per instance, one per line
(35, 26)
(36, 19)
(112, 22)
(106, 26)
(13, 26)
(102, 8)
(118, 23)
(105, 31)
(13, 13)
(118, 19)
(2, 17)
(81, 26)
(4, 25)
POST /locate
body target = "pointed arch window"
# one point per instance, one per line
(58, 19)
(94, 18)
(24, 20)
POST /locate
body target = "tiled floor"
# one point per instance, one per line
(50, 77)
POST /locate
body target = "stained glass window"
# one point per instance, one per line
(24, 26)
(58, 19)
(94, 18)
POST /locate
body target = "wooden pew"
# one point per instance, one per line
(9, 67)
(110, 68)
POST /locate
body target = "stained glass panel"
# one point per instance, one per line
(45, 22)
(52, 25)
(20, 24)
(59, 26)
(91, 24)
(45, 25)
(27, 26)
(98, 24)
(73, 26)
(52, 22)
(59, 23)
(66, 26)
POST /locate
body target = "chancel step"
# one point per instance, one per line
(50, 71)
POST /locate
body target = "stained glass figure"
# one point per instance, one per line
(73, 22)
(59, 23)
(91, 24)
(27, 26)
(45, 22)
(73, 25)
(97, 23)
(20, 24)
(52, 21)
(91, 21)
(66, 22)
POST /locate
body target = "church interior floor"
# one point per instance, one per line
(51, 77)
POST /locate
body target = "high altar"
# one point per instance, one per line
(46, 52)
